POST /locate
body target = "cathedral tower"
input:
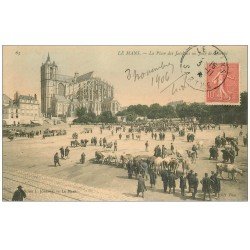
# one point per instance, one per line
(48, 78)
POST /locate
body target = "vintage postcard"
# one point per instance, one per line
(125, 123)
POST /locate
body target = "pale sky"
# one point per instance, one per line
(21, 69)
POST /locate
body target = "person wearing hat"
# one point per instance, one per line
(194, 185)
(217, 186)
(206, 184)
(56, 159)
(183, 184)
(62, 152)
(190, 176)
(172, 148)
(152, 176)
(130, 169)
(195, 149)
(173, 137)
(165, 178)
(83, 156)
(67, 152)
(212, 178)
(19, 194)
(115, 146)
(141, 187)
(163, 151)
(100, 142)
(171, 182)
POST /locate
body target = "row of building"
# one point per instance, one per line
(23, 109)
(61, 95)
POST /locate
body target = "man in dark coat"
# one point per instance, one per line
(83, 156)
(104, 141)
(183, 184)
(237, 149)
(206, 185)
(194, 185)
(155, 151)
(217, 186)
(195, 149)
(163, 151)
(19, 194)
(172, 183)
(212, 178)
(231, 155)
(173, 137)
(67, 152)
(158, 151)
(172, 148)
(95, 141)
(141, 187)
(155, 136)
(56, 159)
(223, 140)
(130, 169)
(115, 146)
(62, 152)
(190, 175)
(163, 136)
(152, 176)
(164, 177)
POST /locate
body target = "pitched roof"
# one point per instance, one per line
(13, 106)
(26, 97)
(6, 98)
(64, 78)
(84, 77)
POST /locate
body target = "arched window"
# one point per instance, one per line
(61, 89)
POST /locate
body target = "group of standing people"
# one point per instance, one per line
(161, 151)
(161, 136)
(64, 155)
(188, 181)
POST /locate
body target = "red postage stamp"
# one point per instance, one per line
(222, 84)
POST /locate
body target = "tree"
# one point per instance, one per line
(84, 117)
(80, 112)
(168, 111)
(182, 110)
(107, 117)
(131, 117)
(154, 111)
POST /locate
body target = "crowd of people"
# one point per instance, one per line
(186, 182)
(190, 181)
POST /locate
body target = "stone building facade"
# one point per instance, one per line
(23, 109)
(61, 95)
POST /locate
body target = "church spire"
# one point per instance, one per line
(48, 58)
